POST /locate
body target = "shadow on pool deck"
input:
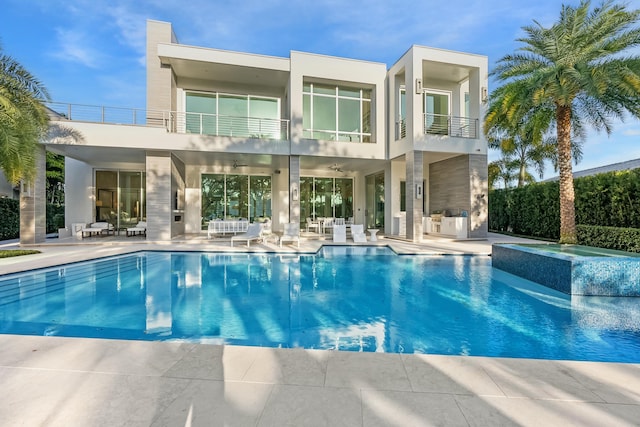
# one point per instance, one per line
(67, 381)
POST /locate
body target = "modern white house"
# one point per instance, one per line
(238, 135)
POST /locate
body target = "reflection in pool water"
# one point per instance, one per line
(359, 299)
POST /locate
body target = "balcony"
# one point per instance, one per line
(461, 127)
(174, 121)
(438, 124)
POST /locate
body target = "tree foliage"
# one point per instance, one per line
(575, 69)
(23, 119)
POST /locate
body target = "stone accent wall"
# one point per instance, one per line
(294, 187)
(160, 85)
(460, 183)
(33, 214)
(159, 196)
(479, 188)
(178, 194)
(415, 177)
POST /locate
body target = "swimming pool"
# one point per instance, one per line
(358, 299)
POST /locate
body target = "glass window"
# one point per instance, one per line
(351, 105)
(306, 198)
(204, 107)
(324, 113)
(324, 89)
(260, 197)
(213, 197)
(120, 197)
(349, 115)
(235, 196)
(233, 115)
(343, 200)
(436, 108)
(306, 112)
(326, 197)
(349, 91)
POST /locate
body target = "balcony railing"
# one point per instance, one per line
(439, 124)
(174, 121)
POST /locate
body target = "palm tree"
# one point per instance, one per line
(23, 119)
(501, 170)
(576, 69)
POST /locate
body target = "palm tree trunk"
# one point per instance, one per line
(567, 196)
(521, 175)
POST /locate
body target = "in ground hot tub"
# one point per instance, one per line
(572, 269)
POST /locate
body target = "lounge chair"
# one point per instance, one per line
(357, 233)
(98, 228)
(340, 233)
(140, 228)
(254, 232)
(291, 233)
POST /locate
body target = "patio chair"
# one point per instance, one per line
(357, 233)
(254, 232)
(313, 225)
(291, 233)
(140, 228)
(339, 233)
(327, 225)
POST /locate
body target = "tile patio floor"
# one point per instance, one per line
(54, 381)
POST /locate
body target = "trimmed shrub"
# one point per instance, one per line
(609, 199)
(10, 223)
(10, 214)
(623, 239)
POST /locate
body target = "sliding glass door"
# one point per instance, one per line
(120, 197)
(235, 196)
(437, 110)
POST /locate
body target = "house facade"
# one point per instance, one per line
(237, 135)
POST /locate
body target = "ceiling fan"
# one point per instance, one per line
(237, 165)
(334, 167)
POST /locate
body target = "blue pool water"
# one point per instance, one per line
(358, 299)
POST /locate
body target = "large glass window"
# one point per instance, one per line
(235, 196)
(120, 197)
(326, 197)
(375, 201)
(201, 113)
(233, 115)
(336, 113)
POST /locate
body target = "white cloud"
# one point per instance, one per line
(73, 48)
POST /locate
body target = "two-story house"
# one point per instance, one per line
(237, 135)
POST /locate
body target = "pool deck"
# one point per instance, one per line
(57, 381)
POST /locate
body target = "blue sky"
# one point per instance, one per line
(92, 51)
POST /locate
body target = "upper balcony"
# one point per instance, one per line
(175, 121)
(444, 125)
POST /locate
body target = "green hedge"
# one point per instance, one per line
(609, 199)
(10, 214)
(623, 239)
(10, 222)
(531, 211)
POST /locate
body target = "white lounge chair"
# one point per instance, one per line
(340, 233)
(140, 228)
(97, 228)
(254, 232)
(357, 233)
(291, 233)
